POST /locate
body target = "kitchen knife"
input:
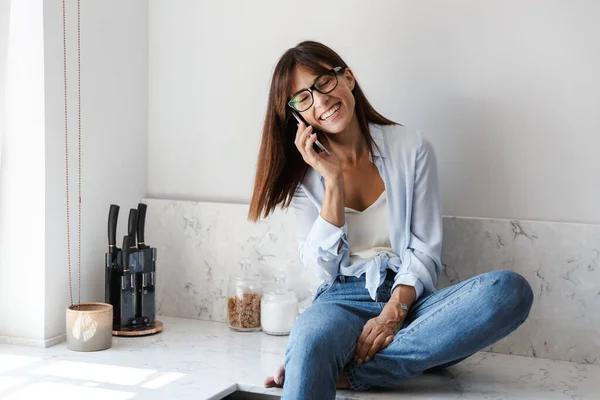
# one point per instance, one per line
(125, 254)
(113, 216)
(128, 291)
(132, 226)
(141, 225)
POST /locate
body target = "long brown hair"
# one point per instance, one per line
(280, 167)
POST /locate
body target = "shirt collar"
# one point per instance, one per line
(377, 135)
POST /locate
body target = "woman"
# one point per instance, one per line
(369, 223)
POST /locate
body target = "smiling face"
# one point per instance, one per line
(331, 112)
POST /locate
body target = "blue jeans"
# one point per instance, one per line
(441, 329)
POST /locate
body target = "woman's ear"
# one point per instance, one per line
(349, 77)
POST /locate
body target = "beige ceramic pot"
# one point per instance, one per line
(89, 326)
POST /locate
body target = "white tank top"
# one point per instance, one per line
(368, 233)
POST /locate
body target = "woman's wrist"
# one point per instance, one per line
(394, 314)
(403, 306)
(336, 180)
(404, 294)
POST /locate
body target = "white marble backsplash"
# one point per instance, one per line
(201, 244)
(561, 261)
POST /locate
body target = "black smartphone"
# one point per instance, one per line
(318, 147)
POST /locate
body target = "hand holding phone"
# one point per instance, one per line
(329, 166)
(318, 146)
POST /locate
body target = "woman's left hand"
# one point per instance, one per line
(379, 332)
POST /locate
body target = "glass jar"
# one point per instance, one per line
(307, 302)
(278, 309)
(244, 293)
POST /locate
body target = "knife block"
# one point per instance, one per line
(132, 293)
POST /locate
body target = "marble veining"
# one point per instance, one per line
(204, 360)
(201, 244)
(559, 260)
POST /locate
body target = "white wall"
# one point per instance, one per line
(4, 20)
(34, 291)
(507, 91)
(114, 73)
(22, 198)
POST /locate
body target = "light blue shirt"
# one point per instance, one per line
(407, 164)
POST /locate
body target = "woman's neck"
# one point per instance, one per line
(350, 145)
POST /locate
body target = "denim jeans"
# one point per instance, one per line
(441, 329)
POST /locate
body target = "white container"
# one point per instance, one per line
(278, 309)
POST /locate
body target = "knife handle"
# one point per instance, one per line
(132, 225)
(113, 216)
(125, 254)
(141, 226)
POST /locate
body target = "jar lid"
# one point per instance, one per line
(281, 297)
(248, 274)
(277, 291)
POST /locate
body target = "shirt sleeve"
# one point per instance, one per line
(421, 265)
(318, 240)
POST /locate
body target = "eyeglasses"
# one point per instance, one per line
(325, 83)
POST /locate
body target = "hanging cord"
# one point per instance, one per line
(67, 149)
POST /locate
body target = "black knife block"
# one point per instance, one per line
(132, 292)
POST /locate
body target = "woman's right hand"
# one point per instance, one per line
(329, 167)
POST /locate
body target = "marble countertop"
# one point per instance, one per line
(204, 360)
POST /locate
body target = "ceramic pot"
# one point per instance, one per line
(89, 326)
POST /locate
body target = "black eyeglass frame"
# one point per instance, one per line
(335, 71)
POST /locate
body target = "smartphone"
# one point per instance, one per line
(318, 146)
